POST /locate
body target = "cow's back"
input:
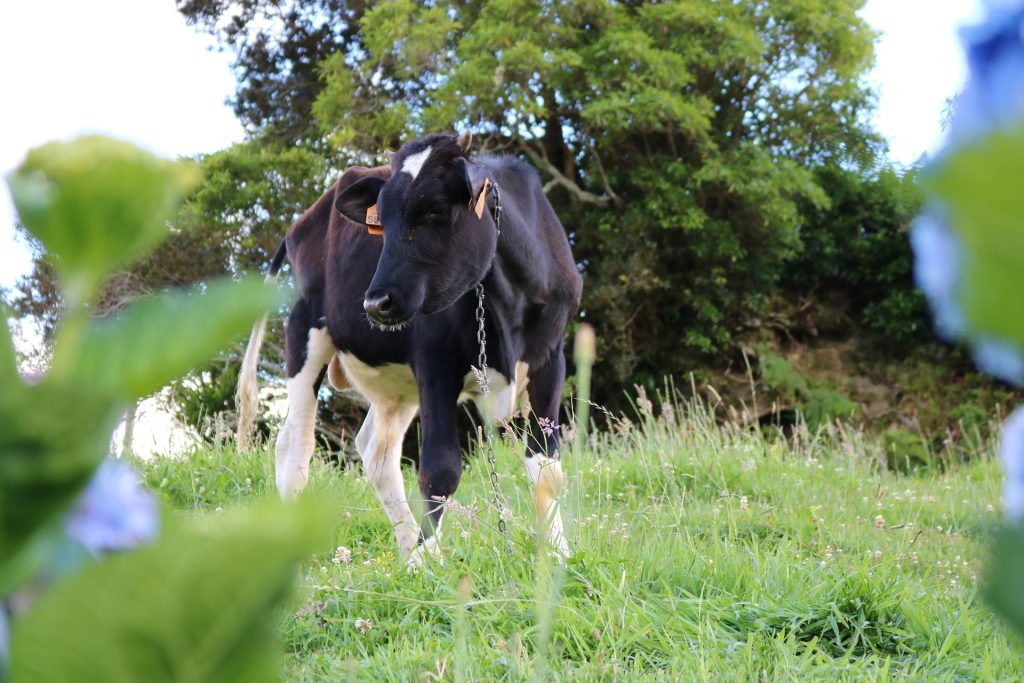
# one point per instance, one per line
(552, 272)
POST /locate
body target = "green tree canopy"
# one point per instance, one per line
(693, 150)
(678, 140)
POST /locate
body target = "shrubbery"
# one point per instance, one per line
(709, 160)
(857, 248)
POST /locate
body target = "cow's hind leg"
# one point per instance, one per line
(379, 443)
(308, 349)
(542, 447)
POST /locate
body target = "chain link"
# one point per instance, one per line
(485, 387)
(481, 340)
(497, 209)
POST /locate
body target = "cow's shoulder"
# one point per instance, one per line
(510, 168)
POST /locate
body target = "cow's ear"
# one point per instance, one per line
(355, 199)
(466, 181)
(466, 143)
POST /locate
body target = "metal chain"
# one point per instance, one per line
(485, 388)
(497, 209)
(481, 340)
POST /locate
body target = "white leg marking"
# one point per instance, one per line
(414, 162)
(295, 441)
(379, 443)
(429, 548)
(522, 379)
(548, 483)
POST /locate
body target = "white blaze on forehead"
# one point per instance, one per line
(414, 162)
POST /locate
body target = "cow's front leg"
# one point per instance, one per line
(440, 456)
(308, 350)
(542, 448)
(379, 443)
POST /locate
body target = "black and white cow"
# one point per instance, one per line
(396, 314)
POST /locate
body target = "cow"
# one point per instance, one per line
(388, 264)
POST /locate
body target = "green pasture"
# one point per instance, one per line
(701, 552)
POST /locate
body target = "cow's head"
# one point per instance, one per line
(436, 247)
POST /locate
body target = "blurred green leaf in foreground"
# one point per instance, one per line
(198, 605)
(94, 203)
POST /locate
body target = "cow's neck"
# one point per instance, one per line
(508, 290)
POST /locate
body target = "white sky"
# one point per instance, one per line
(127, 68)
(133, 69)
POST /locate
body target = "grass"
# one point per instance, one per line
(701, 553)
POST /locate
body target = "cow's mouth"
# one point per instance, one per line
(384, 312)
(390, 324)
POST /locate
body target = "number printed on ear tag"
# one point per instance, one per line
(372, 217)
(373, 221)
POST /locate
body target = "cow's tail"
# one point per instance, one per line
(247, 401)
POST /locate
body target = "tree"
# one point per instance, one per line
(679, 141)
(232, 223)
(278, 47)
(856, 249)
(685, 145)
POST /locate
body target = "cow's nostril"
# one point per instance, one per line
(378, 305)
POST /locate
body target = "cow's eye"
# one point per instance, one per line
(435, 213)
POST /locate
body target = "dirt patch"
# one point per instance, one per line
(933, 392)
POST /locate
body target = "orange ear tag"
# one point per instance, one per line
(373, 221)
(481, 200)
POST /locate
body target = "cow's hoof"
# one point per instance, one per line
(558, 549)
(407, 536)
(430, 548)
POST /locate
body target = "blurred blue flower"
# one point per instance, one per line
(1000, 359)
(938, 254)
(994, 96)
(1011, 452)
(4, 640)
(937, 270)
(114, 512)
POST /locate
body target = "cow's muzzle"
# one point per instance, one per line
(383, 310)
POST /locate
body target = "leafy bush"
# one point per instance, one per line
(680, 143)
(817, 403)
(905, 451)
(857, 247)
(709, 160)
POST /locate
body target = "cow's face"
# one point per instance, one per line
(436, 248)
